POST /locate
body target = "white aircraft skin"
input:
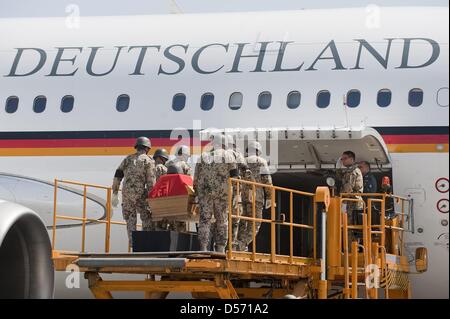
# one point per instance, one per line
(325, 43)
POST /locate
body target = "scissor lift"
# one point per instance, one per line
(335, 269)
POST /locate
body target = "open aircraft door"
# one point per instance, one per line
(304, 149)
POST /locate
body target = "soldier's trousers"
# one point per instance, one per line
(234, 224)
(130, 217)
(245, 231)
(218, 208)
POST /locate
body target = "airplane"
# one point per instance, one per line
(75, 96)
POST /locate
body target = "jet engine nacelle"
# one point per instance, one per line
(26, 266)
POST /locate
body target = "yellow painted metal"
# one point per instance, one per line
(346, 261)
(384, 270)
(291, 228)
(323, 196)
(315, 228)
(55, 200)
(323, 289)
(253, 221)
(108, 219)
(272, 227)
(373, 292)
(83, 229)
(230, 218)
(354, 270)
(334, 238)
(253, 265)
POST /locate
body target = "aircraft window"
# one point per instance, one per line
(264, 100)
(353, 98)
(123, 103)
(293, 99)
(442, 97)
(179, 102)
(39, 104)
(207, 101)
(12, 104)
(236, 100)
(415, 97)
(67, 104)
(323, 99)
(384, 98)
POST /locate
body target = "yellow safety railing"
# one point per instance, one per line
(84, 219)
(380, 229)
(234, 187)
(374, 252)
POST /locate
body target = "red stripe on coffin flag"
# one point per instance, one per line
(171, 185)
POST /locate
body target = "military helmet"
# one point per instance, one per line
(174, 168)
(161, 152)
(143, 141)
(183, 150)
(230, 141)
(254, 146)
(218, 140)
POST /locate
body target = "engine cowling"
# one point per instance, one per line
(26, 266)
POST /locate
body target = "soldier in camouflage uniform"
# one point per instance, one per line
(181, 160)
(261, 174)
(160, 157)
(138, 172)
(211, 186)
(351, 182)
(244, 172)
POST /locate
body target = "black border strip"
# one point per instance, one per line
(410, 130)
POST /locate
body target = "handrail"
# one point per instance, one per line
(84, 219)
(373, 251)
(234, 185)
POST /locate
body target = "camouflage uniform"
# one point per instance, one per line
(182, 164)
(160, 170)
(139, 174)
(260, 173)
(352, 182)
(211, 186)
(244, 173)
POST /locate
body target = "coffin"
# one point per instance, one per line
(172, 198)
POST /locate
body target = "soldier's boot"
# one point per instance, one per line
(203, 247)
(219, 248)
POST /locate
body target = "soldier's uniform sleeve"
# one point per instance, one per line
(243, 167)
(233, 165)
(357, 181)
(150, 173)
(118, 176)
(266, 178)
(160, 170)
(198, 168)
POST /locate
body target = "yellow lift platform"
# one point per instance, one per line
(338, 266)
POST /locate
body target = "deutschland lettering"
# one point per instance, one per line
(174, 59)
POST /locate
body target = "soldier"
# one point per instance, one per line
(211, 186)
(261, 174)
(351, 183)
(244, 172)
(182, 155)
(160, 157)
(138, 172)
(369, 181)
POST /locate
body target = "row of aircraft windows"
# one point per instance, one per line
(353, 99)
